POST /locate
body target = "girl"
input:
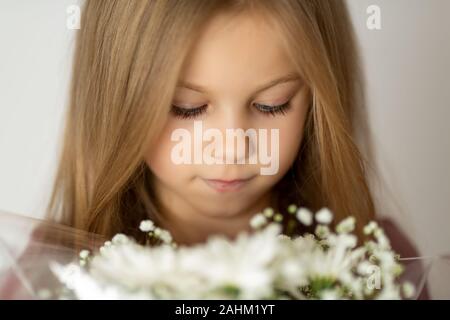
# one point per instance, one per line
(143, 69)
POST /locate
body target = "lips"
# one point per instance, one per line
(226, 185)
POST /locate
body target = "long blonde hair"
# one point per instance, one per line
(127, 60)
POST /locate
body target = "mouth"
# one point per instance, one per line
(221, 185)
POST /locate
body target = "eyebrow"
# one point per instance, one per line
(286, 78)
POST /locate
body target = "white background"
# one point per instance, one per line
(408, 89)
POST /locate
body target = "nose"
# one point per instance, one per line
(239, 138)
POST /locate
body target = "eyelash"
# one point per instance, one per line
(273, 110)
(191, 113)
(185, 113)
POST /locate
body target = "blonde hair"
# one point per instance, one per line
(128, 57)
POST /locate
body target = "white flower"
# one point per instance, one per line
(408, 290)
(292, 208)
(165, 236)
(330, 295)
(347, 225)
(305, 216)
(67, 274)
(322, 231)
(84, 254)
(146, 226)
(258, 221)
(120, 239)
(268, 212)
(370, 228)
(261, 265)
(324, 216)
(157, 231)
(365, 268)
(381, 238)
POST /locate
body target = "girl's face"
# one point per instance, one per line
(236, 76)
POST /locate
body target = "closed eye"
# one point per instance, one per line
(191, 113)
(188, 113)
(273, 110)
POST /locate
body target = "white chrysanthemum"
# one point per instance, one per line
(244, 264)
(253, 266)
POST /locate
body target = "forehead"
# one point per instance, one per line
(236, 51)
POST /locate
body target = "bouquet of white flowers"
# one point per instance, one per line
(264, 264)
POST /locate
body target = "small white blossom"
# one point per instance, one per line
(268, 212)
(408, 290)
(84, 254)
(278, 217)
(146, 226)
(347, 225)
(258, 221)
(165, 236)
(157, 232)
(322, 231)
(120, 239)
(370, 228)
(324, 216)
(292, 208)
(304, 216)
(365, 268)
(381, 238)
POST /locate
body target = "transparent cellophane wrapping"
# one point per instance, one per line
(28, 246)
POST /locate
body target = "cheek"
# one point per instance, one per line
(158, 158)
(291, 136)
(289, 147)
